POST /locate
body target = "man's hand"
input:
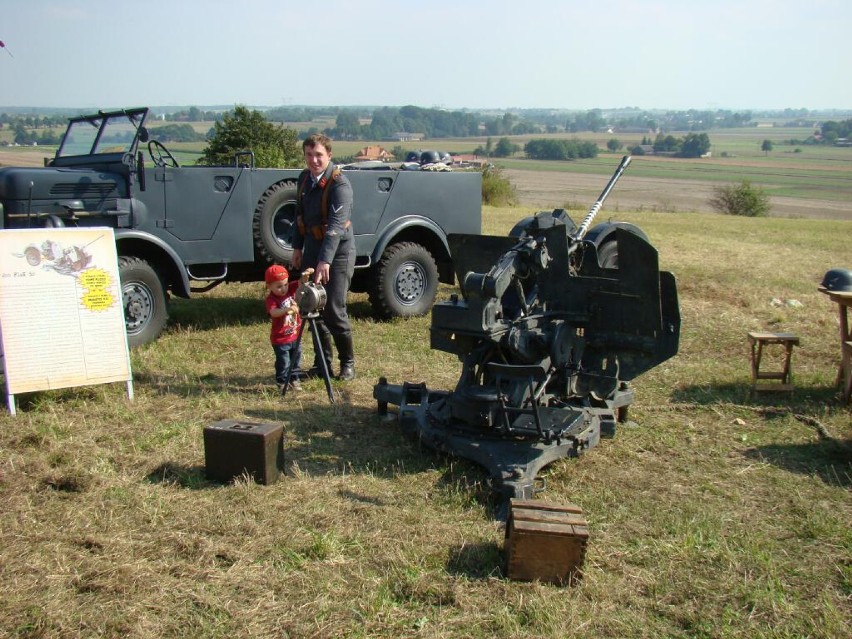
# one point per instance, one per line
(322, 274)
(296, 260)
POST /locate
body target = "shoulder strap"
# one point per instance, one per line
(326, 189)
(300, 189)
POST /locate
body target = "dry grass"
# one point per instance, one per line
(716, 515)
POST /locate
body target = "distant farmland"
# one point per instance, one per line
(801, 180)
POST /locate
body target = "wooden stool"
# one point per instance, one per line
(758, 341)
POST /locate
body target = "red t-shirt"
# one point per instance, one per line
(285, 329)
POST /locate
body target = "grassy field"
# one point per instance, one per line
(712, 514)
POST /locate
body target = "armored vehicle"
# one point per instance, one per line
(184, 229)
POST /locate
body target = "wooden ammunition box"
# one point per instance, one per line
(232, 448)
(545, 541)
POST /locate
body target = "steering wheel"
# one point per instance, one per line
(161, 155)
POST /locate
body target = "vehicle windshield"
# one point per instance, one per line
(108, 133)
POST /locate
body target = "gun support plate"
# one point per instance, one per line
(512, 462)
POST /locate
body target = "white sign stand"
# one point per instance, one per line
(61, 310)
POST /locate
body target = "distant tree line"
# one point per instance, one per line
(548, 149)
(32, 121)
(27, 137)
(178, 133)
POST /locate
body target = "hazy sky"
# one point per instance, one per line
(477, 54)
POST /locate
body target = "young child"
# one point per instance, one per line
(286, 322)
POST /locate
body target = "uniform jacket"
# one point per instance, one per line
(338, 242)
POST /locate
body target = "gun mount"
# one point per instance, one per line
(552, 324)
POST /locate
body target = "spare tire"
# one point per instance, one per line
(275, 223)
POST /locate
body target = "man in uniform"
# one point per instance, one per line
(325, 242)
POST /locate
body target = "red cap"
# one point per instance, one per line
(276, 273)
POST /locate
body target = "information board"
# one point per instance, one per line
(61, 311)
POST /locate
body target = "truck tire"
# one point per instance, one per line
(405, 282)
(144, 301)
(274, 223)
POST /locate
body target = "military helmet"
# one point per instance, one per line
(429, 157)
(837, 280)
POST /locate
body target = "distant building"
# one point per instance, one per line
(404, 136)
(374, 153)
(470, 160)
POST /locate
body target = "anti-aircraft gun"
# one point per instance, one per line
(553, 323)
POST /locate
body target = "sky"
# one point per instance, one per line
(459, 54)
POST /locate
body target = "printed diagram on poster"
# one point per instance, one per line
(61, 313)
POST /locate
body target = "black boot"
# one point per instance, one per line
(346, 354)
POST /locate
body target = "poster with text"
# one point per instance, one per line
(61, 314)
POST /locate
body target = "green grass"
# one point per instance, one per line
(714, 514)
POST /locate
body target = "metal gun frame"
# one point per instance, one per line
(553, 323)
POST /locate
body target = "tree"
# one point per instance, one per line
(505, 148)
(614, 145)
(666, 144)
(243, 130)
(694, 145)
(741, 199)
(347, 125)
(766, 147)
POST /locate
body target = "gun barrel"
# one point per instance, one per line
(587, 221)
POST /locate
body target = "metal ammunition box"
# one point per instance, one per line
(545, 541)
(232, 448)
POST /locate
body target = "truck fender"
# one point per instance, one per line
(131, 242)
(409, 227)
(409, 260)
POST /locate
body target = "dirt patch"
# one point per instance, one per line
(550, 189)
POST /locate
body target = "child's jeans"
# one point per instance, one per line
(285, 354)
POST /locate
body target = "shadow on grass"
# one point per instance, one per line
(171, 474)
(828, 459)
(477, 561)
(208, 383)
(801, 398)
(208, 313)
(329, 439)
(359, 310)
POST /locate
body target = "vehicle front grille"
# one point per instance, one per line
(82, 190)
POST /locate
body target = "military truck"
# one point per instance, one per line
(187, 229)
